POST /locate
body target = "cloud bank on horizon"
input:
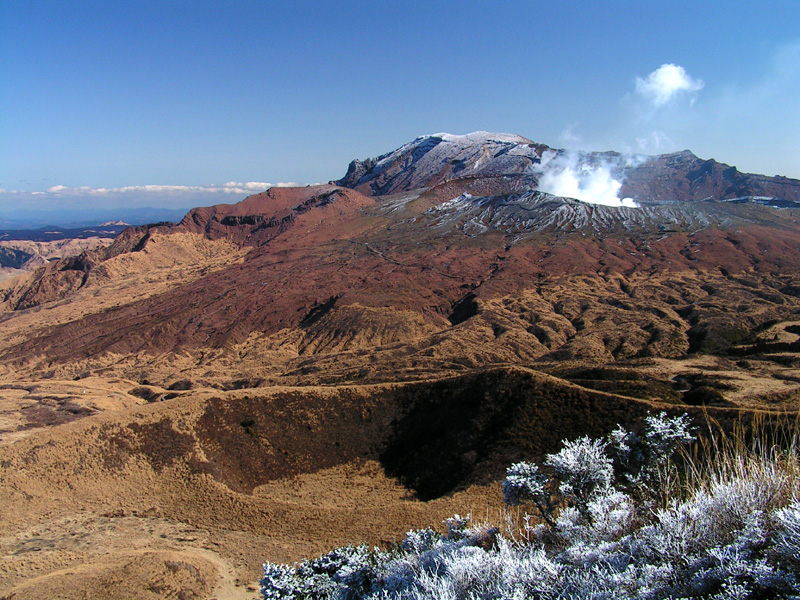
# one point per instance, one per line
(230, 187)
(61, 203)
(172, 196)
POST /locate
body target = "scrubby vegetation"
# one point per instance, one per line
(617, 517)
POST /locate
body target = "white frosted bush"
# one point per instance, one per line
(527, 571)
(788, 538)
(421, 540)
(735, 536)
(639, 460)
(278, 583)
(457, 527)
(524, 482)
(583, 469)
(665, 433)
(607, 517)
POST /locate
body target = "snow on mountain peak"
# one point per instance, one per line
(432, 159)
(479, 137)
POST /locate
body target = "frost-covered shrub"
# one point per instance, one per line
(525, 483)
(606, 517)
(639, 459)
(589, 474)
(344, 573)
(788, 541)
(279, 583)
(734, 535)
(421, 540)
(583, 469)
(457, 527)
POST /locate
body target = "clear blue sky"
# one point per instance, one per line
(172, 93)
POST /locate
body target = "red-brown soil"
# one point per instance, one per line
(313, 367)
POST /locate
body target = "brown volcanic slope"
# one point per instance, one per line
(267, 379)
(20, 256)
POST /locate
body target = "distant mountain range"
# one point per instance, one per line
(28, 220)
(110, 229)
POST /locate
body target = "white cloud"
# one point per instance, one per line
(229, 187)
(85, 198)
(665, 83)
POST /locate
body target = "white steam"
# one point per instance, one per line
(566, 176)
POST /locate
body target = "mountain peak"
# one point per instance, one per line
(432, 159)
(478, 137)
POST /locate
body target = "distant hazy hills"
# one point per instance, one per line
(71, 219)
(28, 249)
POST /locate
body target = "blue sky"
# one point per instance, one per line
(206, 101)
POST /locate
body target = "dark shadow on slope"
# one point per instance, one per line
(464, 309)
(469, 429)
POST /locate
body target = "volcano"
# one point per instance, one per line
(444, 299)
(384, 260)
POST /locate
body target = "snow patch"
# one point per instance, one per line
(481, 137)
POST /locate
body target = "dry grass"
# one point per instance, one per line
(765, 451)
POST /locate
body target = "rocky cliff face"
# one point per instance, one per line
(684, 177)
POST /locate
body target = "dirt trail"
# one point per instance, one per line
(228, 586)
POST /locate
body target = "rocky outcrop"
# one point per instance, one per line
(682, 176)
(14, 259)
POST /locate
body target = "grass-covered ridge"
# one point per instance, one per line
(604, 518)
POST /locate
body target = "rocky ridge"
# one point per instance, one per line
(432, 159)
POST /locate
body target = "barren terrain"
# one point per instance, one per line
(324, 365)
(31, 255)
